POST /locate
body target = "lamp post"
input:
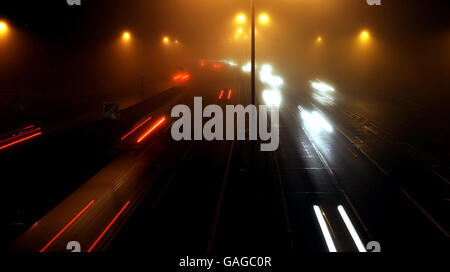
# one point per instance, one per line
(253, 61)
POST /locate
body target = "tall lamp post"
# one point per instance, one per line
(253, 70)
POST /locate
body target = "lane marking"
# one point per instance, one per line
(363, 152)
(333, 177)
(424, 212)
(351, 229)
(347, 198)
(219, 205)
(108, 227)
(353, 153)
(134, 129)
(436, 173)
(159, 122)
(323, 226)
(67, 226)
(358, 147)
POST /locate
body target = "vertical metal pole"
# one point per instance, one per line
(253, 53)
(253, 87)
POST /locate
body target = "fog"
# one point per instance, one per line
(70, 54)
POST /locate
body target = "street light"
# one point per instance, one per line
(166, 40)
(240, 18)
(3, 28)
(364, 36)
(319, 39)
(264, 18)
(126, 36)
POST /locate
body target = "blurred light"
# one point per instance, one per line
(229, 94)
(322, 87)
(177, 42)
(20, 140)
(323, 226)
(181, 77)
(272, 98)
(158, 123)
(247, 67)
(319, 39)
(240, 18)
(351, 229)
(315, 122)
(221, 94)
(264, 18)
(166, 40)
(202, 63)
(229, 62)
(126, 36)
(364, 36)
(135, 128)
(3, 27)
(323, 99)
(217, 66)
(266, 77)
(239, 31)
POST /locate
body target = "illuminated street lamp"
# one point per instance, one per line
(319, 39)
(3, 28)
(264, 18)
(166, 40)
(240, 18)
(126, 36)
(364, 36)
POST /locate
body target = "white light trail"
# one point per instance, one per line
(272, 98)
(267, 77)
(324, 228)
(315, 121)
(247, 67)
(322, 87)
(351, 229)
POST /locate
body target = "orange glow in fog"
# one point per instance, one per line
(221, 94)
(229, 94)
(181, 77)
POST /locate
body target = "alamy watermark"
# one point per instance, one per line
(73, 2)
(214, 128)
(373, 2)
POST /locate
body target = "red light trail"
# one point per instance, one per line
(108, 227)
(134, 129)
(158, 123)
(67, 226)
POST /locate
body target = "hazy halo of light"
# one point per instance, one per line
(323, 87)
(272, 98)
(3, 27)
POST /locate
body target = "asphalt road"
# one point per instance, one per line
(200, 197)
